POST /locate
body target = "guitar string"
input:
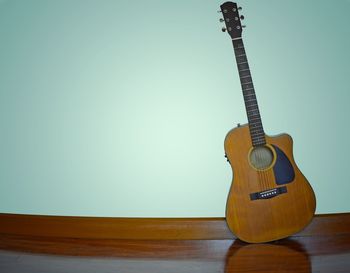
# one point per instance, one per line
(261, 179)
(266, 180)
(256, 161)
(270, 172)
(266, 175)
(261, 173)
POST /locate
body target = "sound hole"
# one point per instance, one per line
(261, 157)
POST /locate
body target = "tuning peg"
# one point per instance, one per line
(243, 26)
(242, 17)
(239, 8)
(221, 20)
(219, 11)
(223, 29)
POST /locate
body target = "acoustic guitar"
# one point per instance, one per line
(269, 198)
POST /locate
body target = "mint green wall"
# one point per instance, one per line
(120, 108)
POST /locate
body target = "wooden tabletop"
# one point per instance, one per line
(48, 254)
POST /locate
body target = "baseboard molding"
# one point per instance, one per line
(149, 228)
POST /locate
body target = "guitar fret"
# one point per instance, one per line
(248, 93)
(250, 117)
(260, 138)
(250, 105)
(250, 96)
(250, 99)
(244, 72)
(257, 134)
(255, 124)
(256, 129)
(259, 143)
(243, 63)
(254, 114)
(260, 134)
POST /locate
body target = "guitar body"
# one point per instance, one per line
(270, 202)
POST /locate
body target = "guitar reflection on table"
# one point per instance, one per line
(291, 256)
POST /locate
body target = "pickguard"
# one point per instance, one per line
(283, 169)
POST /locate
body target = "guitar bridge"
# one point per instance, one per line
(268, 193)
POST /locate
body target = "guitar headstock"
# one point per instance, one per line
(232, 19)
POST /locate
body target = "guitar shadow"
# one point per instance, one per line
(280, 256)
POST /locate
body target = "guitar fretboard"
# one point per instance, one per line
(255, 125)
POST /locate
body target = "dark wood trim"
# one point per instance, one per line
(114, 228)
(149, 228)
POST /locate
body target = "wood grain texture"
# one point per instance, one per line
(149, 228)
(268, 219)
(114, 228)
(48, 254)
(179, 249)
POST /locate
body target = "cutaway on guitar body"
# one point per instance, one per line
(262, 204)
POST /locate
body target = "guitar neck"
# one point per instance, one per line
(251, 104)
